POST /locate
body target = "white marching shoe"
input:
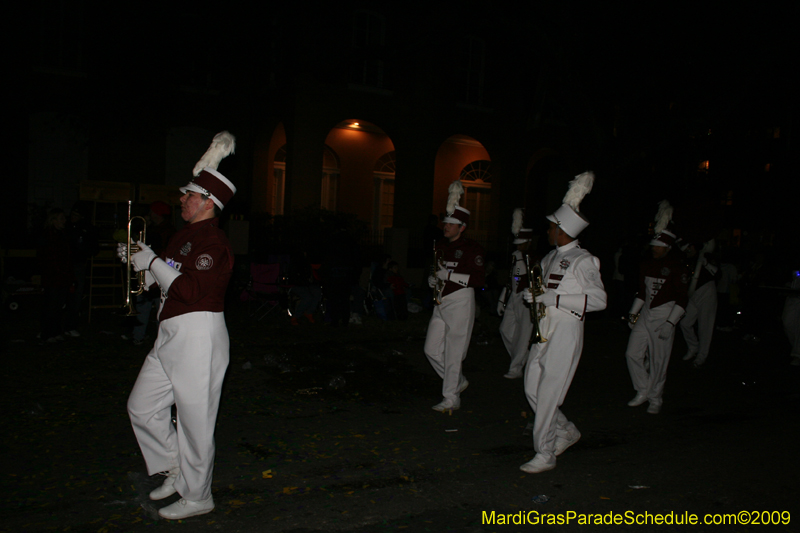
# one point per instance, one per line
(185, 508)
(167, 488)
(563, 444)
(447, 405)
(689, 355)
(513, 375)
(463, 385)
(654, 408)
(537, 464)
(638, 400)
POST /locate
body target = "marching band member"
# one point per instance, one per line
(702, 307)
(450, 327)
(516, 326)
(187, 364)
(661, 300)
(573, 287)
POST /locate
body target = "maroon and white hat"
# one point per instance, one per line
(664, 228)
(568, 216)
(524, 235)
(455, 213)
(458, 216)
(208, 180)
(521, 235)
(666, 237)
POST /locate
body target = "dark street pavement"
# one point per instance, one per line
(326, 429)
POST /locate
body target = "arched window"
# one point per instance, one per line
(477, 180)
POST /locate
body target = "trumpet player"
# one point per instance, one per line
(572, 288)
(450, 329)
(187, 364)
(516, 326)
(659, 305)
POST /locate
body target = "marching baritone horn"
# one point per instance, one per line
(137, 277)
(538, 311)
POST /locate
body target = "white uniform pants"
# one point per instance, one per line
(515, 330)
(186, 367)
(644, 340)
(447, 341)
(551, 367)
(701, 310)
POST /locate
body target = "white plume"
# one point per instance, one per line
(221, 147)
(663, 216)
(516, 221)
(578, 188)
(455, 191)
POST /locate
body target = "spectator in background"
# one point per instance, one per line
(83, 244)
(339, 274)
(381, 289)
(398, 287)
(305, 287)
(55, 260)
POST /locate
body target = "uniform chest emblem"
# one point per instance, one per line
(459, 253)
(564, 264)
(186, 248)
(204, 262)
(479, 260)
(665, 271)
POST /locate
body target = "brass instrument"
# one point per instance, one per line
(509, 285)
(439, 287)
(538, 311)
(137, 276)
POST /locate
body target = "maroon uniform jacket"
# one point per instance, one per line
(203, 256)
(667, 278)
(462, 256)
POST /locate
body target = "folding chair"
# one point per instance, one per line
(263, 287)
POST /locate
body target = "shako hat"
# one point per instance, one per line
(568, 216)
(664, 229)
(455, 213)
(207, 180)
(521, 235)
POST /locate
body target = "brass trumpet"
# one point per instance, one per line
(137, 277)
(538, 311)
(439, 287)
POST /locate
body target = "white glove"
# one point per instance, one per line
(548, 298)
(122, 252)
(527, 295)
(443, 274)
(141, 260)
(631, 324)
(431, 281)
(665, 330)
